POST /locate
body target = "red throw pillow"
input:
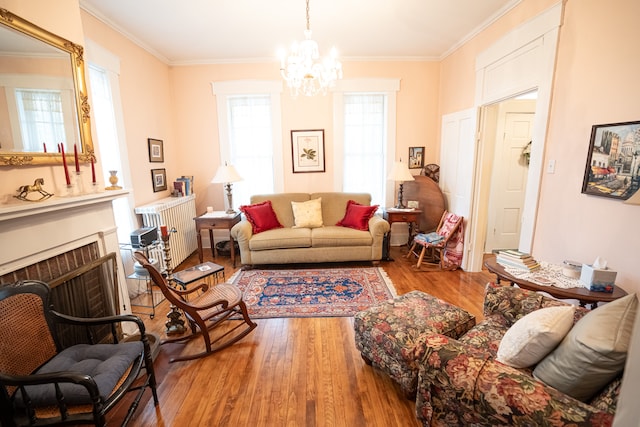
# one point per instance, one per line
(261, 216)
(357, 216)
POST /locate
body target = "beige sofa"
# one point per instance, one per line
(329, 243)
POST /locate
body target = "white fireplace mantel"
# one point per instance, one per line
(31, 232)
(19, 208)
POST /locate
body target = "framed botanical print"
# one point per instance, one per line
(307, 150)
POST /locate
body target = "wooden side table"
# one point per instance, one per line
(217, 220)
(411, 217)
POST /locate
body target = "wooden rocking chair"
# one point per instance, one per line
(436, 243)
(207, 308)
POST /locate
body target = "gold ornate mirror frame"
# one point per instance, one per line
(9, 158)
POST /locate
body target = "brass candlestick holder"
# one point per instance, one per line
(175, 324)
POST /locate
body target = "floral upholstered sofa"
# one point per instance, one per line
(461, 382)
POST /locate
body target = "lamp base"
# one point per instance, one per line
(399, 204)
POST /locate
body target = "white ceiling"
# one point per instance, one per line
(219, 31)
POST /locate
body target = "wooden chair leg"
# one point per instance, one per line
(413, 246)
(424, 249)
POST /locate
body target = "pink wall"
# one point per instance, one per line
(147, 107)
(595, 83)
(196, 120)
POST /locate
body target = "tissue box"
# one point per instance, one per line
(597, 280)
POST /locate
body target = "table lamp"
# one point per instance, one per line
(226, 175)
(400, 173)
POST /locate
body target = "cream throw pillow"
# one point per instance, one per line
(593, 353)
(307, 214)
(535, 335)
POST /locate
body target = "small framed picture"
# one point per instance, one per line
(416, 157)
(307, 150)
(156, 150)
(159, 179)
(613, 165)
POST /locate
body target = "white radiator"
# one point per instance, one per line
(178, 213)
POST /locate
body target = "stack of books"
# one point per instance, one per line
(516, 259)
(183, 186)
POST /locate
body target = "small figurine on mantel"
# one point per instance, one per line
(25, 190)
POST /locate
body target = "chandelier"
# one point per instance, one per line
(303, 72)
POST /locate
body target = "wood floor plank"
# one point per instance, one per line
(292, 372)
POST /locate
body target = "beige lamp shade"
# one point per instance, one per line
(400, 172)
(226, 173)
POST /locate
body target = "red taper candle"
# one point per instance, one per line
(64, 163)
(93, 171)
(75, 157)
(164, 231)
(44, 145)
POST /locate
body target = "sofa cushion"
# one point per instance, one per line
(357, 216)
(334, 204)
(593, 353)
(534, 336)
(332, 236)
(307, 214)
(281, 204)
(281, 238)
(261, 216)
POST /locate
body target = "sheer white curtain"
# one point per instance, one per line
(41, 118)
(251, 145)
(365, 144)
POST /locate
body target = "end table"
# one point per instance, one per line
(410, 216)
(217, 220)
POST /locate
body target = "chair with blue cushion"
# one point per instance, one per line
(434, 245)
(42, 383)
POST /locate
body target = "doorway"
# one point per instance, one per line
(513, 127)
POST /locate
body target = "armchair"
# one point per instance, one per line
(42, 383)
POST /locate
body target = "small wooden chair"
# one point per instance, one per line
(206, 309)
(434, 244)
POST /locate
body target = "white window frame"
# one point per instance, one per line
(223, 90)
(64, 86)
(388, 87)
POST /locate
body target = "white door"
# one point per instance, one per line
(457, 156)
(509, 178)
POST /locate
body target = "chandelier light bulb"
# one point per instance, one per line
(304, 72)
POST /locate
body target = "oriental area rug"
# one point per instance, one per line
(327, 292)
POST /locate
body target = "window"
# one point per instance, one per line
(364, 116)
(250, 135)
(41, 109)
(41, 117)
(106, 109)
(364, 144)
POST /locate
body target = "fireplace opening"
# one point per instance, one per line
(83, 284)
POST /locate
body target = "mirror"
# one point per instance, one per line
(43, 96)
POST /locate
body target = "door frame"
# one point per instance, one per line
(521, 61)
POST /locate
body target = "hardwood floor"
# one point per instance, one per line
(292, 372)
